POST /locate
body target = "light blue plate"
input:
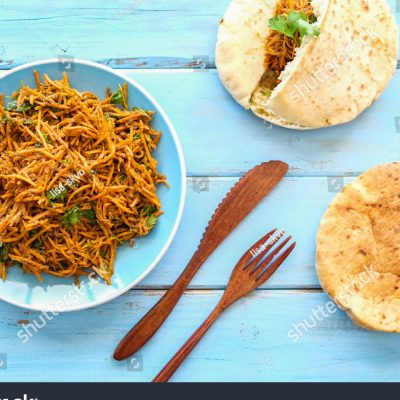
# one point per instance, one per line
(132, 265)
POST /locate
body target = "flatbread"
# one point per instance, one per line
(358, 249)
(333, 78)
(240, 46)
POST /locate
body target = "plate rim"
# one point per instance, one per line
(183, 179)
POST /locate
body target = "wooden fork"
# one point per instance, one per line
(254, 268)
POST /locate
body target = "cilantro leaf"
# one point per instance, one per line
(294, 22)
(151, 221)
(149, 209)
(24, 107)
(307, 29)
(89, 214)
(75, 214)
(57, 194)
(140, 110)
(46, 138)
(279, 24)
(13, 106)
(71, 217)
(37, 244)
(102, 253)
(4, 249)
(118, 97)
(33, 232)
(5, 118)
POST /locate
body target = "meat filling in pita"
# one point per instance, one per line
(293, 19)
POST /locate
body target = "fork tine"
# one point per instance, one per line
(266, 274)
(269, 258)
(248, 256)
(267, 246)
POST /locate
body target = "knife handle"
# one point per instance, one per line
(144, 330)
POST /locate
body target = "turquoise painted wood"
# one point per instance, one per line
(249, 343)
(120, 33)
(219, 138)
(167, 46)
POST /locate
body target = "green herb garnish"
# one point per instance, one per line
(295, 22)
(13, 106)
(103, 254)
(71, 217)
(149, 209)
(46, 138)
(57, 194)
(24, 107)
(75, 214)
(89, 214)
(4, 249)
(141, 110)
(28, 122)
(118, 97)
(37, 244)
(32, 233)
(5, 118)
(151, 221)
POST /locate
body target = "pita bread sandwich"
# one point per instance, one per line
(307, 64)
(358, 249)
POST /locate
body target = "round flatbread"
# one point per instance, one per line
(333, 78)
(358, 249)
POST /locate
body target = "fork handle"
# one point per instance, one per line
(165, 374)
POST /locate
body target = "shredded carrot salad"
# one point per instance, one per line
(77, 179)
(281, 49)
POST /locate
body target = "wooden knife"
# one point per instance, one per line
(237, 204)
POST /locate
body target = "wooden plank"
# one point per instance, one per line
(288, 207)
(121, 33)
(249, 343)
(219, 138)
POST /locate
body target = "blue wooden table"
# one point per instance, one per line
(277, 334)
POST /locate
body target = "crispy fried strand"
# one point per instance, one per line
(77, 179)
